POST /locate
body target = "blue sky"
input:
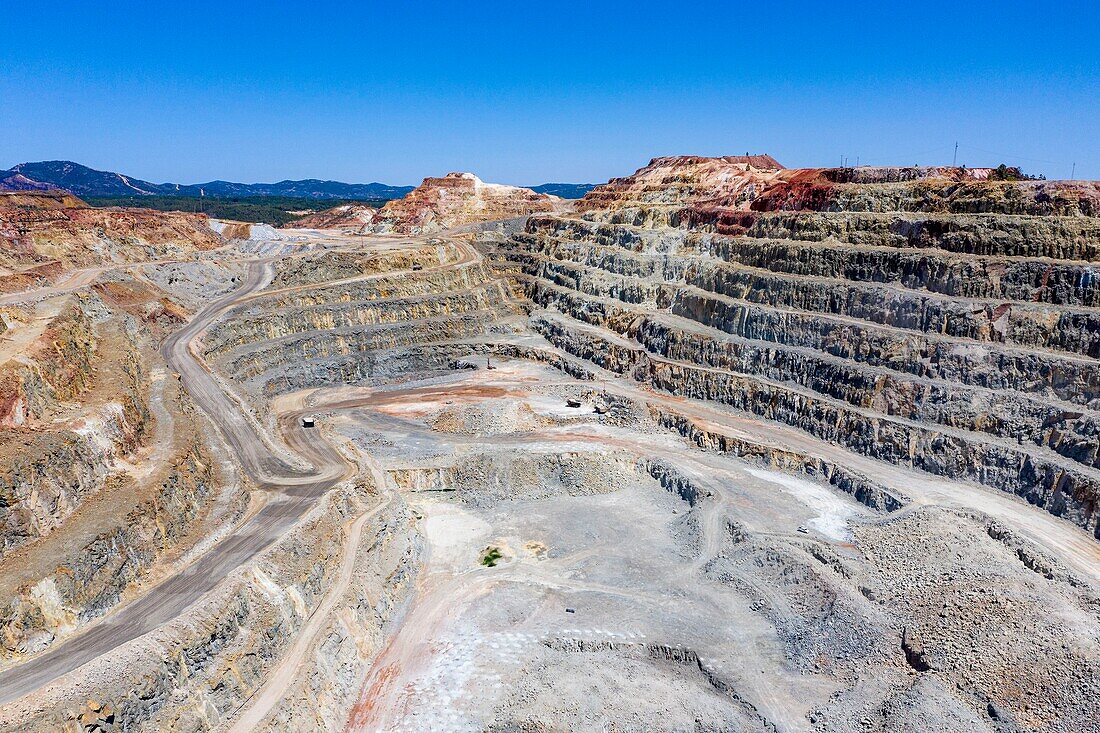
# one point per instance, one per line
(523, 92)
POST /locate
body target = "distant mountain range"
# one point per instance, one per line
(84, 181)
(88, 182)
(564, 190)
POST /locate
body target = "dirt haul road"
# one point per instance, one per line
(294, 492)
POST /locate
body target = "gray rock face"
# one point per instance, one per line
(195, 672)
(364, 330)
(919, 326)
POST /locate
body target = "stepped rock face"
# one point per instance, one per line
(729, 447)
(938, 318)
(458, 199)
(347, 217)
(364, 329)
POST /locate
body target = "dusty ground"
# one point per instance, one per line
(617, 602)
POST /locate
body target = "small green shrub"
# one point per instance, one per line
(490, 556)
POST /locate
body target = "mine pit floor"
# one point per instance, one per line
(626, 558)
(481, 644)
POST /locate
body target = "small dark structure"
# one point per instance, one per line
(570, 610)
(308, 422)
(417, 266)
(572, 402)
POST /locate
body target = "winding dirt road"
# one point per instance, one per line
(295, 492)
(293, 489)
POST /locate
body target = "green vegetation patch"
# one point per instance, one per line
(274, 210)
(490, 556)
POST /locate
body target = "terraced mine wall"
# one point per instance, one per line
(964, 344)
(1054, 424)
(367, 328)
(329, 266)
(93, 574)
(196, 672)
(924, 191)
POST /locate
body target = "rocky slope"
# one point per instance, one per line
(457, 199)
(197, 670)
(106, 472)
(352, 217)
(374, 328)
(934, 318)
(38, 229)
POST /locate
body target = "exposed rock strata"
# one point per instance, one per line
(195, 673)
(38, 228)
(47, 469)
(455, 200)
(346, 333)
(105, 558)
(935, 318)
(350, 217)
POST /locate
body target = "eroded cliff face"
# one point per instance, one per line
(376, 326)
(933, 318)
(54, 363)
(349, 217)
(38, 230)
(455, 200)
(75, 405)
(119, 538)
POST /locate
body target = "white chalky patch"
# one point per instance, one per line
(833, 511)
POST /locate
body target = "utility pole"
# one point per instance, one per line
(955, 157)
(1073, 172)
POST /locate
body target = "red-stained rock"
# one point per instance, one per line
(716, 192)
(458, 199)
(37, 228)
(685, 179)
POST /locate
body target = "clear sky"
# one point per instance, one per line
(529, 92)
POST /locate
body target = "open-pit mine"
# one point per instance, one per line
(722, 446)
